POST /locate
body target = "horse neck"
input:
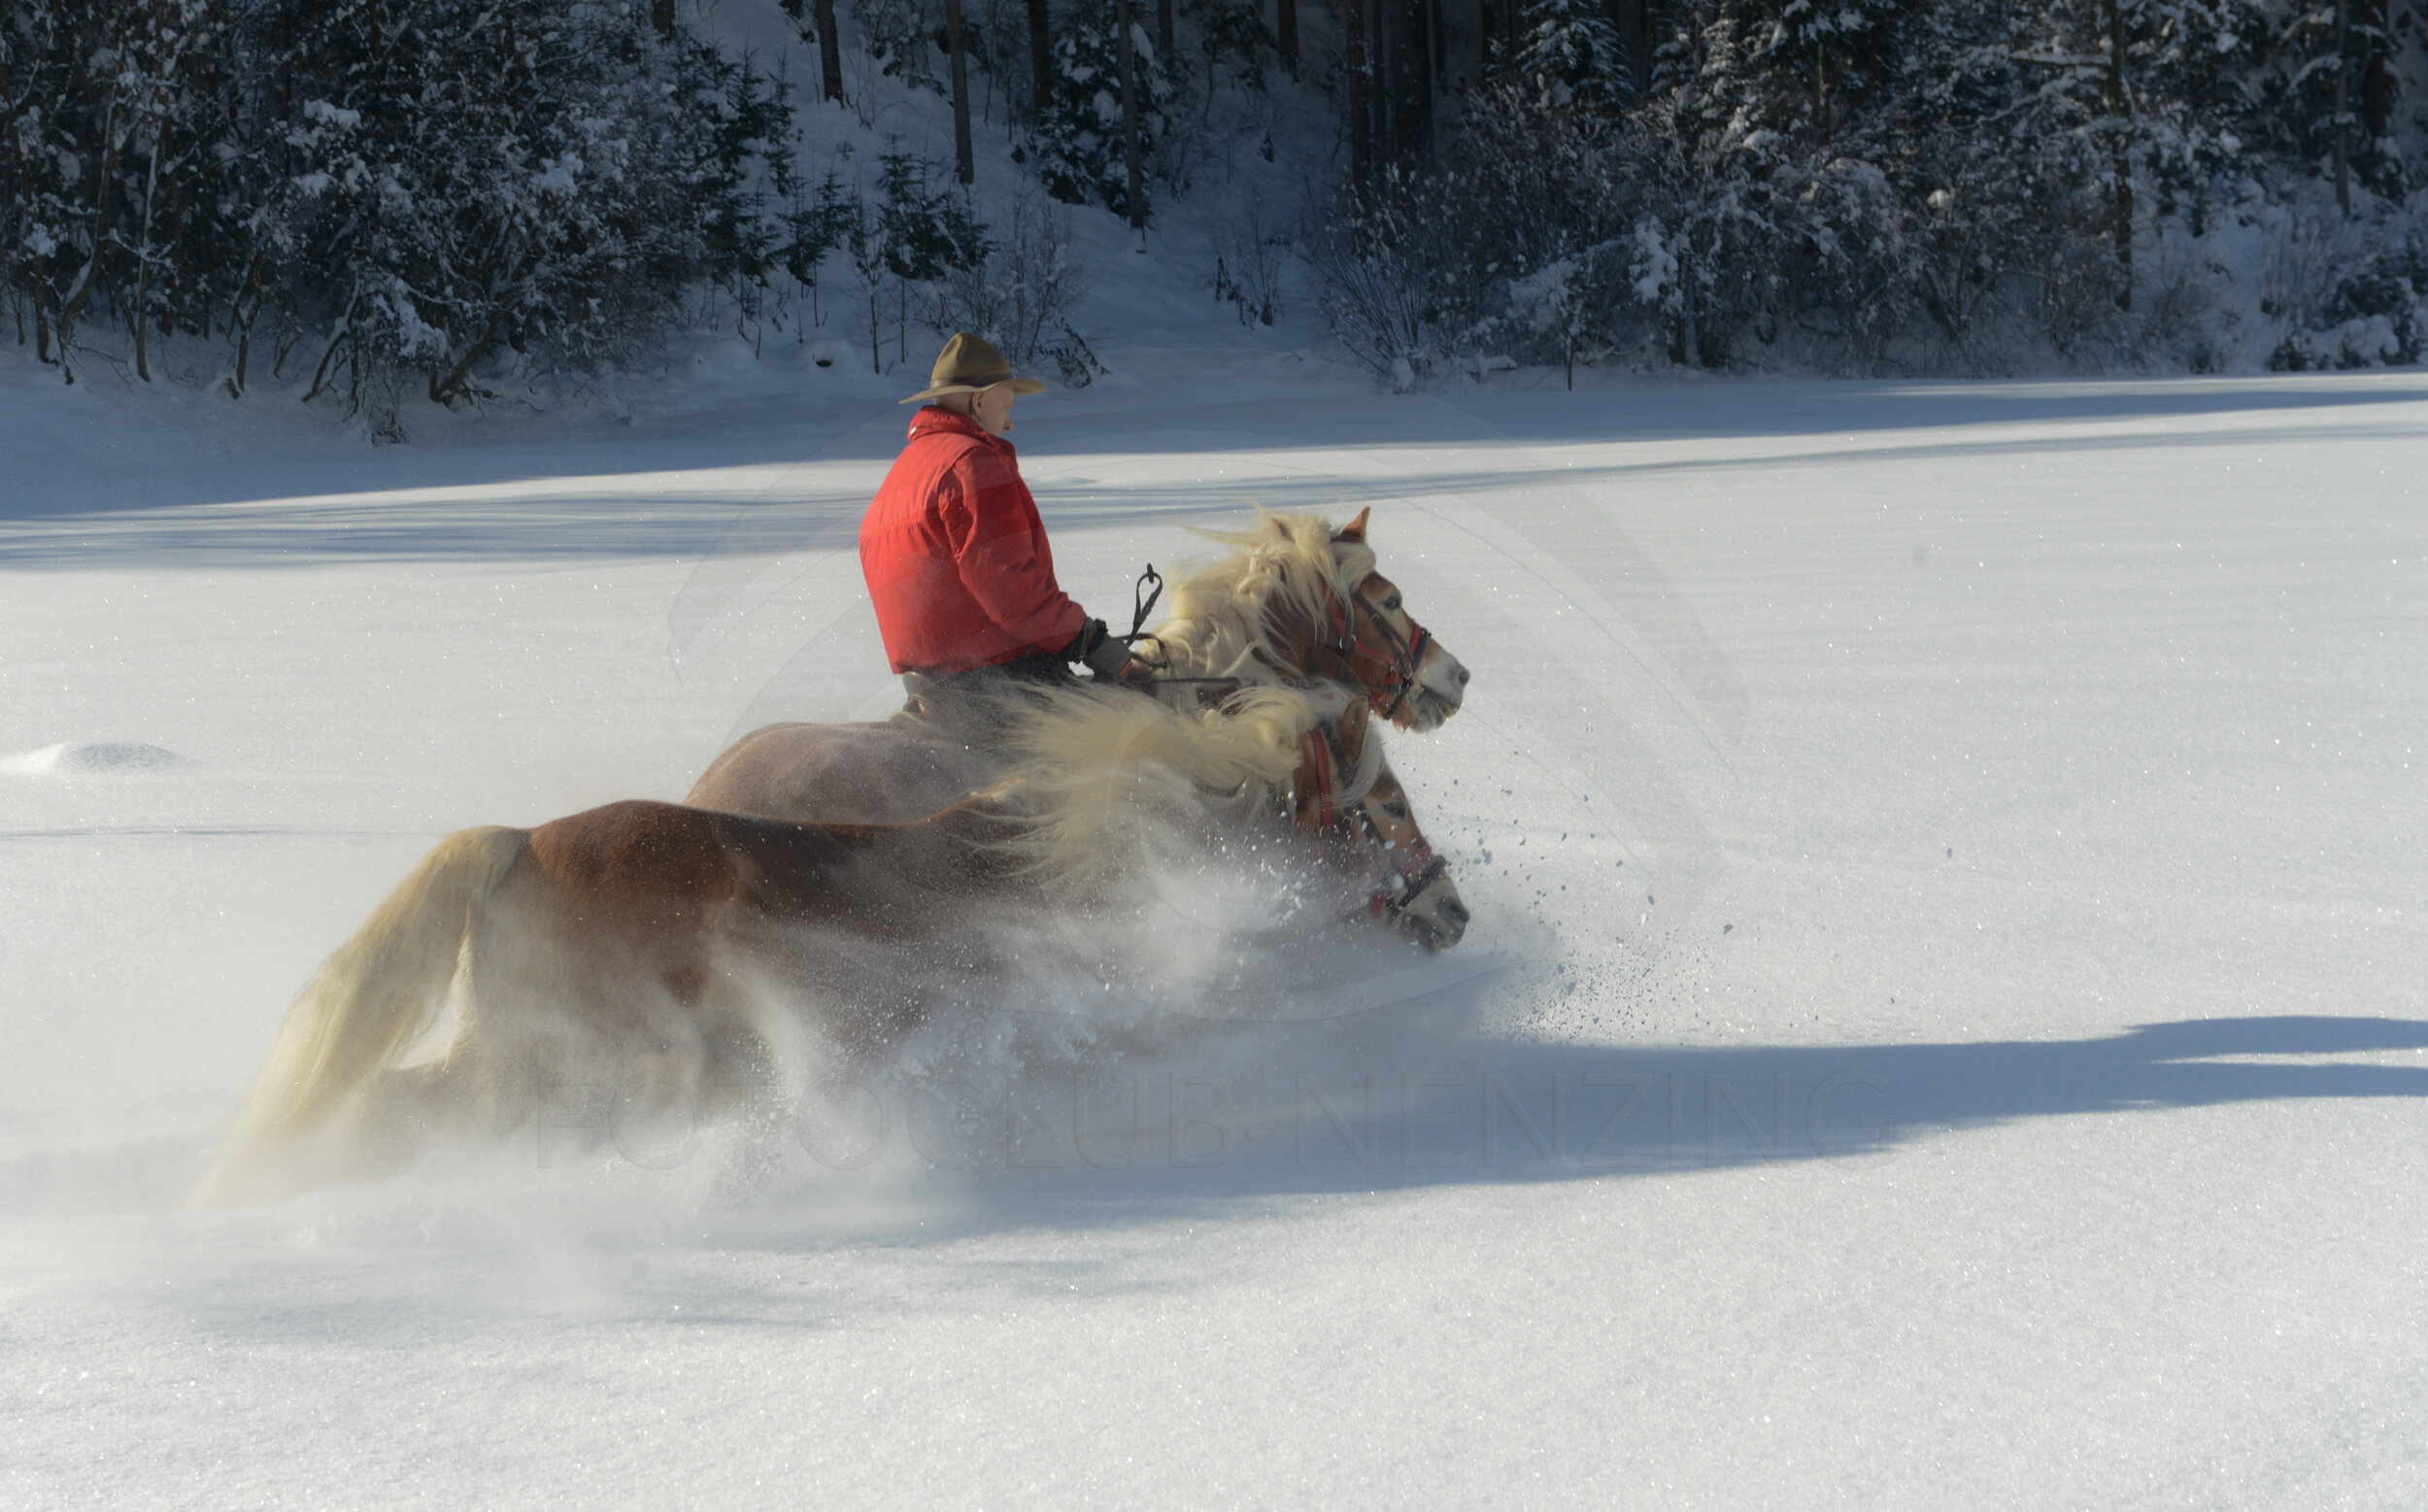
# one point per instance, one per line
(1295, 642)
(1329, 756)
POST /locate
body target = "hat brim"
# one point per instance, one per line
(1017, 386)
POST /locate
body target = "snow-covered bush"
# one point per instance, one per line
(2343, 298)
(900, 37)
(1388, 277)
(1251, 259)
(120, 158)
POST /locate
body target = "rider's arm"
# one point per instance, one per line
(998, 544)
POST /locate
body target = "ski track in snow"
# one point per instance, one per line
(1941, 1027)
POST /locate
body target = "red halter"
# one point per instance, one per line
(1400, 656)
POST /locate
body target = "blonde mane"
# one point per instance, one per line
(1093, 763)
(1216, 626)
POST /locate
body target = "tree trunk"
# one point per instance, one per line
(1382, 78)
(829, 51)
(964, 162)
(2342, 122)
(244, 349)
(1286, 22)
(2120, 111)
(142, 258)
(1690, 333)
(1040, 58)
(662, 17)
(1361, 90)
(1634, 19)
(113, 134)
(1164, 33)
(1129, 117)
(1411, 80)
(2376, 81)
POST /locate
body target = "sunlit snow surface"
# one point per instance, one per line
(1942, 1024)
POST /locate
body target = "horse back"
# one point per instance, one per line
(889, 772)
(664, 871)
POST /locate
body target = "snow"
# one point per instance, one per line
(1941, 1025)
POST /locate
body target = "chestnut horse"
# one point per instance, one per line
(647, 942)
(1295, 601)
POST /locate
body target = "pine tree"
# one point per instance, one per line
(1079, 146)
(1571, 56)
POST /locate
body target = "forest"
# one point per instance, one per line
(375, 202)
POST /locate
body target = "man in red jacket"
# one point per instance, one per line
(956, 556)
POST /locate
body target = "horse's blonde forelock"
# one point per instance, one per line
(1217, 625)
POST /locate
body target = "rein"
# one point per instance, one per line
(1142, 599)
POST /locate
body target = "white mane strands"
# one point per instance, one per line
(1217, 623)
(1093, 762)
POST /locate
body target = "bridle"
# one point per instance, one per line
(1397, 655)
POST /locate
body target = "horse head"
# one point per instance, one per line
(1368, 637)
(1295, 601)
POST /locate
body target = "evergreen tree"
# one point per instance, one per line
(1077, 144)
(1571, 56)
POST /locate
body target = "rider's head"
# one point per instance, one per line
(974, 379)
(991, 408)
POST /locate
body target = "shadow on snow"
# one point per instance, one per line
(157, 513)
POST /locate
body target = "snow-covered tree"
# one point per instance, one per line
(1570, 55)
(1077, 144)
(408, 187)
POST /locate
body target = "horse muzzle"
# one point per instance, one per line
(1439, 689)
(1431, 914)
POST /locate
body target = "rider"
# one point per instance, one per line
(957, 560)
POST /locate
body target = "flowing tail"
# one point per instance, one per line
(369, 1002)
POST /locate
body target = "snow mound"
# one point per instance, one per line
(93, 758)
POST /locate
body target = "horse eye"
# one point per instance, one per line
(1395, 810)
(1391, 603)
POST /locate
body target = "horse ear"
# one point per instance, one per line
(1355, 530)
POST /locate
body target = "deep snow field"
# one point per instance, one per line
(1943, 1025)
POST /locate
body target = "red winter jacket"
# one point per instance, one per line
(956, 556)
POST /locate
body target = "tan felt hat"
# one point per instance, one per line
(968, 364)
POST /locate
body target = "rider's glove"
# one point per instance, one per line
(1094, 645)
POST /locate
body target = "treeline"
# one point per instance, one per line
(1858, 185)
(1883, 184)
(384, 197)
